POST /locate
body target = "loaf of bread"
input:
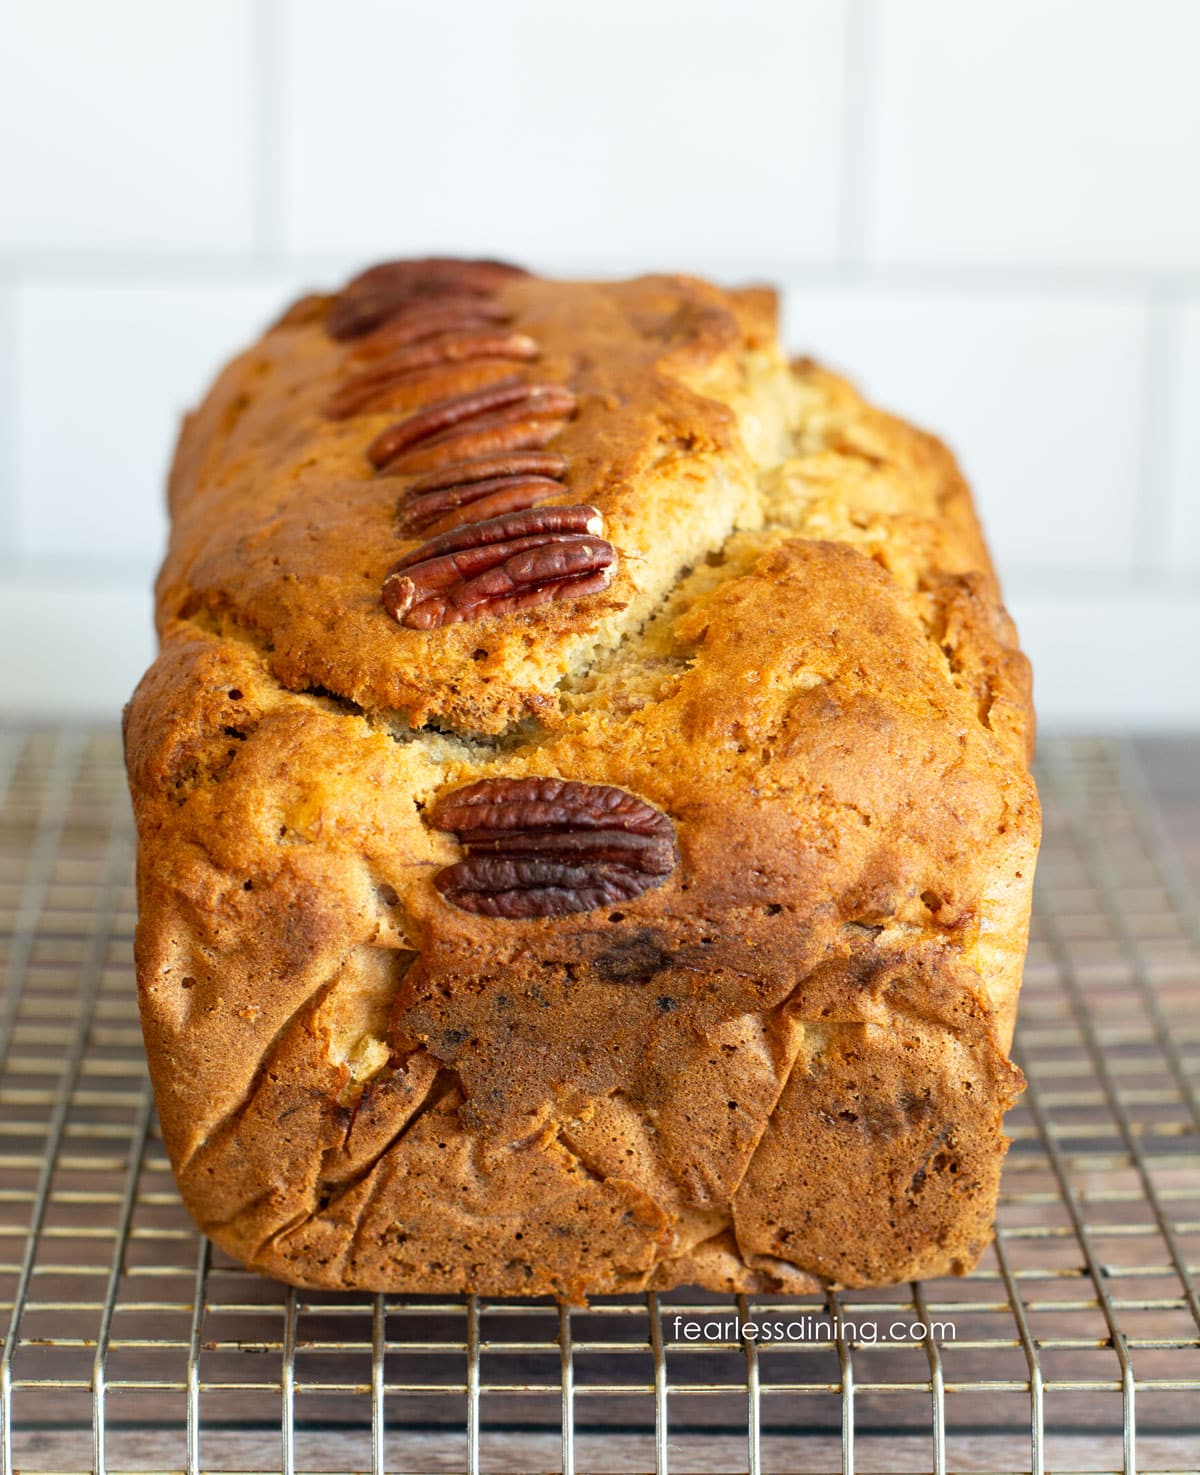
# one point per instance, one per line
(585, 827)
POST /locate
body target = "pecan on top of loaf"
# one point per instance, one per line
(539, 847)
(414, 361)
(499, 566)
(509, 416)
(470, 491)
(382, 293)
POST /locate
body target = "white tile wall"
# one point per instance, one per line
(128, 125)
(988, 214)
(1111, 662)
(73, 649)
(545, 130)
(98, 426)
(1037, 131)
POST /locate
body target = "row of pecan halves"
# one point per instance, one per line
(480, 470)
(479, 484)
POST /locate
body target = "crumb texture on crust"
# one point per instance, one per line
(785, 1065)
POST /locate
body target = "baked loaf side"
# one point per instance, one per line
(585, 829)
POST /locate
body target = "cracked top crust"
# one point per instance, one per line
(802, 660)
(281, 527)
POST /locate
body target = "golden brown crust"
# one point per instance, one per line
(782, 1066)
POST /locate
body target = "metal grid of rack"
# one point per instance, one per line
(131, 1345)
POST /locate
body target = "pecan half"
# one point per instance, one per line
(544, 847)
(478, 500)
(510, 563)
(489, 485)
(381, 291)
(459, 348)
(513, 398)
(414, 362)
(425, 275)
(483, 468)
(428, 318)
(506, 431)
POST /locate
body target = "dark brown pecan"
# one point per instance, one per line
(461, 348)
(509, 563)
(431, 275)
(510, 430)
(543, 847)
(552, 521)
(428, 319)
(380, 292)
(478, 501)
(513, 398)
(483, 468)
(414, 363)
(489, 486)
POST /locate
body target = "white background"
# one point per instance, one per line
(988, 211)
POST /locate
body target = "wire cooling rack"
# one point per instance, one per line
(131, 1345)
